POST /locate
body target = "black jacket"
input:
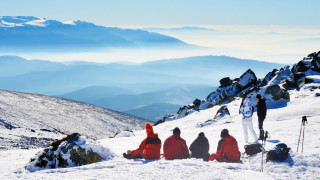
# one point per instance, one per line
(200, 147)
(262, 109)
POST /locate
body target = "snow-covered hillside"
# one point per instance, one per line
(283, 122)
(31, 120)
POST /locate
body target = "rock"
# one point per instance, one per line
(288, 85)
(73, 150)
(158, 122)
(268, 77)
(317, 95)
(316, 63)
(302, 67)
(275, 91)
(223, 111)
(247, 79)
(298, 76)
(197, 102)
(225, 82)
(286, 96)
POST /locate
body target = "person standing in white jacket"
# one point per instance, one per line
(247, 112)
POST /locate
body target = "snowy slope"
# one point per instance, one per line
(33, 115)
(282, 123)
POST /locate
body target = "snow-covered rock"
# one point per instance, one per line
(222, 112)
(73, 150)
(273, 87)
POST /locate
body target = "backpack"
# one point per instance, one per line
(280, 153)
(252, 149)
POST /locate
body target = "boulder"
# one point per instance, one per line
(302, 67)
(73, 150)
(197, 102)
(298, 76)
(225, 82)
(275, 91)
(223, 111)
(268, 77)
(247, 79)
(316, 63)
(288, 85)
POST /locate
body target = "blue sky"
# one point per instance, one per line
(171, 12)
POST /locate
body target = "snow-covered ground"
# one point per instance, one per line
(27, 119)
(283, 123)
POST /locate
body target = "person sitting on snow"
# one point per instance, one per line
(175, 147)
(200, 147)
(228, 150)
(149, 148)
(247, 112)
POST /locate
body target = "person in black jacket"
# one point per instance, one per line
(261, 112)
(200, 147)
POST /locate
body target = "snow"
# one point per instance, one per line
(282, 122)
(32, 115)
(124, 134)
(40, 22)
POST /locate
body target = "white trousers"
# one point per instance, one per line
(247, 123)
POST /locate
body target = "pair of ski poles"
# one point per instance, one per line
(303, 124)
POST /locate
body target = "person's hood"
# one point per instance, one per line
(149, 129)
(247, 102)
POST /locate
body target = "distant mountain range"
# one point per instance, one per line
(32, 34)
(126, 87)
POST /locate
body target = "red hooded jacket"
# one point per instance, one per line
(227, 150)
(150, 146)
(175, 148)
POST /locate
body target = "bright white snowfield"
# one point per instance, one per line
(33, 115)
(282, 123)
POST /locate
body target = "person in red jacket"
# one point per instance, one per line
(175, 147)
(227, 150)
(149, 148)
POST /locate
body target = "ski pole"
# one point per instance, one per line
(304, 126)
(299, 137)
(263, 148)
(303, 123)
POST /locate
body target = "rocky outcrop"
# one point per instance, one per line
(273, 87)
(73, 150)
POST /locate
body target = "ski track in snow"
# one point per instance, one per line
(283, 125)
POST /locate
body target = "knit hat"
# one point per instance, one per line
(149, 129)
(224, 133)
